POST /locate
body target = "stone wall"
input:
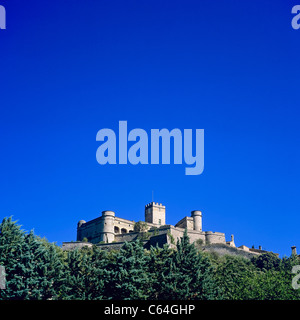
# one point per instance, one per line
(214, 237)
(159, 240)
(223, 249)
(75, 244)
(122, 226)
(90, 230)
(126, 236)
(94, 230)
(206, 237)
(186, 222)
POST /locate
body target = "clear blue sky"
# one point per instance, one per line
(69, 68)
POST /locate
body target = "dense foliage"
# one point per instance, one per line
(37, 269)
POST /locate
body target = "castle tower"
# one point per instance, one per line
(294, 250)
(79, 235)
(197, 217)
(155, 213)
(107, 233)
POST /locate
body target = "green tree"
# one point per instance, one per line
(84, 274)
(34, 270)
(190, 275)
(266, 261)
(233, 275)
(11, 241)
(158, 268)
(140, 226)
(126, 277)
(272, 285)
(273, 281)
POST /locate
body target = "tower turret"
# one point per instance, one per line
(197, 217)
(107, 233)
(155, 213)
(79, 233)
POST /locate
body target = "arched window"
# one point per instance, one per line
(117, 230)
(123, 231)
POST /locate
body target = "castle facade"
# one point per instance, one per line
(109, 228)
(110, 232)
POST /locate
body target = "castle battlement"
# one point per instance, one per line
(154, 204)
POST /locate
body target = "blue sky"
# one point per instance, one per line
(70, 68)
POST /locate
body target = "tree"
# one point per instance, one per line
(11, 240)
(234, 276)
(266, 261)
(265, 277)
(34, 270)
(84, 274)
(126, 277)
(158, 267)
(190, 274)
(140, 226)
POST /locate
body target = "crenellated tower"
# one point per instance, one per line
(155, 213)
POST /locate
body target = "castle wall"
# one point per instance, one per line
(223, 249)
(126, 236)
(186, 222)
(90, 230)
(114, 245)
(160, 240)
(123, 226)
(104, 229)
(73, 245)
(214, 237)
(165, 233)
(194, 235)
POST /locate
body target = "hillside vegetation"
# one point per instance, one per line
(37, 269)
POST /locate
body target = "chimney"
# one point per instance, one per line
(259, 247)
(294, 250)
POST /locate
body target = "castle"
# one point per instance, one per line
(110, 232)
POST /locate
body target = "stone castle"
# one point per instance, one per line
(110, 232)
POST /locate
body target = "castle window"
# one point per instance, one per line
(159, 221)
(117, 230)
(123, 231)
